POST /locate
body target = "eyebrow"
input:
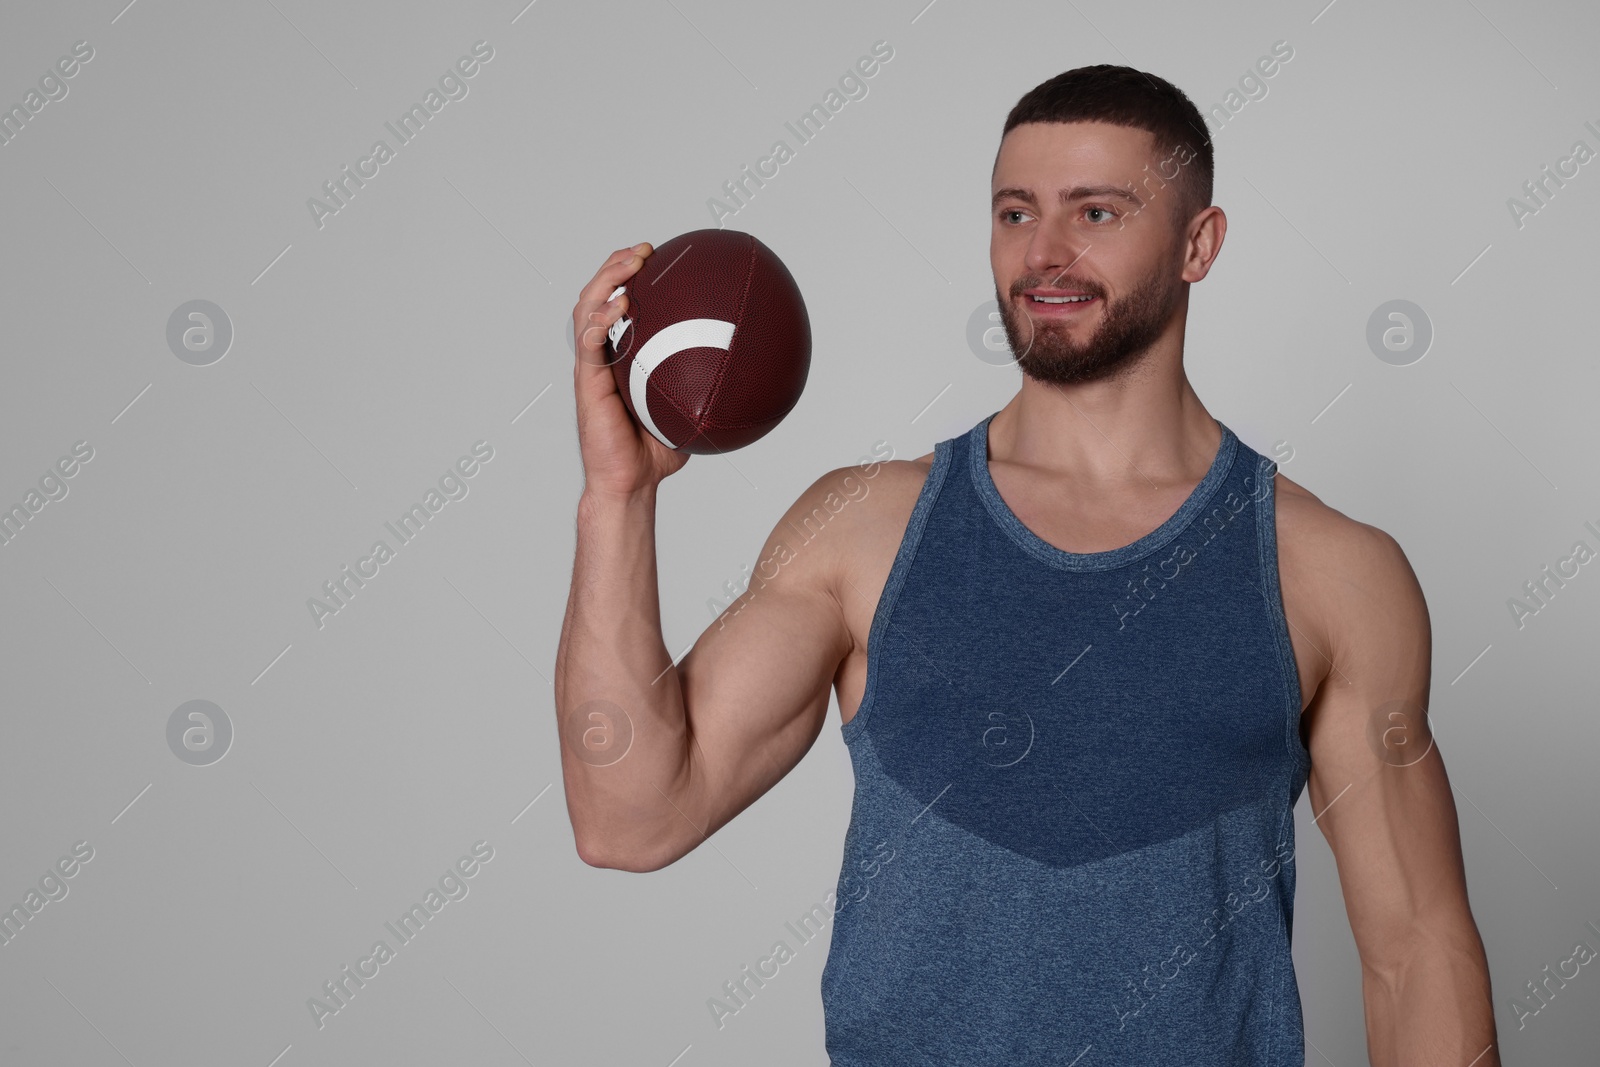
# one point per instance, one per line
(1079, 192)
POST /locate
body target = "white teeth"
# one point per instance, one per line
(1062, 299)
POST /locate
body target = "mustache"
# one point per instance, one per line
(1024, 284)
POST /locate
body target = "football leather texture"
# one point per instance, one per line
(716, 344)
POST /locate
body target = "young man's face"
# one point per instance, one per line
(1076, 213)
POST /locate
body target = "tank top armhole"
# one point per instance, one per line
(1267, 539)
(897, 577)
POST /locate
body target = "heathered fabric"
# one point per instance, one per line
(1072, 834)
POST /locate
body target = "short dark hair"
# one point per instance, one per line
(1123, 96)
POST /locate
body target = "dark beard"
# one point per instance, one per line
(1125, 333)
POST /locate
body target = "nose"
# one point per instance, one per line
(1053, 250)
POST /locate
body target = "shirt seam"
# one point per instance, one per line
(898, 573)
(1061, 560)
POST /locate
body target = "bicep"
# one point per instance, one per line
(756, 683)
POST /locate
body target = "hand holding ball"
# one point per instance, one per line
(716, 345)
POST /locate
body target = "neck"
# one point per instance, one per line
(1145, 427)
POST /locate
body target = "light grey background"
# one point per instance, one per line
(370, 354)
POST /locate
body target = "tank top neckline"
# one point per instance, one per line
(1045, 552)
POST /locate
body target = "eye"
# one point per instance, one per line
(1005, 216)
(1104, 211)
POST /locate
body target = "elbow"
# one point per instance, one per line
(590, 854)
(596, 854)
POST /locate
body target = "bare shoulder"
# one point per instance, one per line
(854, 518)
(1326, 541)
(847, 514)
(860, 495)
(888, 493)
(1342, 580)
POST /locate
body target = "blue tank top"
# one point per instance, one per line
(1072, 835)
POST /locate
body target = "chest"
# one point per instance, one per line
(1063, 717)
(1078, 530)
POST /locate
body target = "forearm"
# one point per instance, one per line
(622, 723)
(1432, 1006)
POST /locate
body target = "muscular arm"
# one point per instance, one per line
(712, 734)
(1384, 804)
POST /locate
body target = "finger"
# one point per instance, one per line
(621, 266)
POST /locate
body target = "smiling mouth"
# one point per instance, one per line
(1059, 304)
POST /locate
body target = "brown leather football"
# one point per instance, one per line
(716, 345)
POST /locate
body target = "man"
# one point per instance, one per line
(1087, 656)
